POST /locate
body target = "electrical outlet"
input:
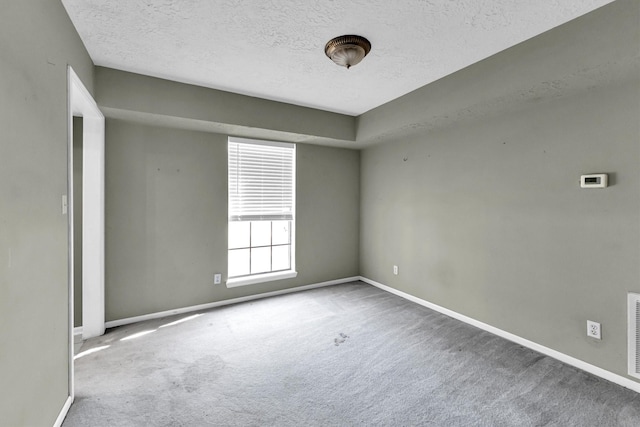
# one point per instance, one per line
(217, 279)
(395, 270)
(593, 330)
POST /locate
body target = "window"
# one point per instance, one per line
(261, 211)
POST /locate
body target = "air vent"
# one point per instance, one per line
(634, 334)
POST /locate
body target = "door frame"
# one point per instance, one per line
(82, 104)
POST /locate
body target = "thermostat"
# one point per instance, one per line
(594, 180)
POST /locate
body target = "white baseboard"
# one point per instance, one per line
(77, 330)
(63, 412)
(569, 360)
(128, 320)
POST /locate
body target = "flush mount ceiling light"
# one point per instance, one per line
(347, 51)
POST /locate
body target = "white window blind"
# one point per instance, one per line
(261, 180)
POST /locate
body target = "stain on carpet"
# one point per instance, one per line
(202, 372)
(341, 339)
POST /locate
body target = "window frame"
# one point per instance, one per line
(256, 278)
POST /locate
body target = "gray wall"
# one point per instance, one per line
(166, 218)
(77, 220)
(124, 95)
(37, 41)
(486, 217)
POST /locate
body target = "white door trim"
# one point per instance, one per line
(82, 104)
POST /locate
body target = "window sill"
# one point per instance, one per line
(261, 278)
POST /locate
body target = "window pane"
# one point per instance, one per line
(239, 262)
(260, 260)
(281, 258)
(281, 235)
(260, 233)
(239, 234)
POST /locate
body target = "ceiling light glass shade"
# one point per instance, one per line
(347, 51)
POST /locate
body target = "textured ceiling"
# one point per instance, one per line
(274, 49)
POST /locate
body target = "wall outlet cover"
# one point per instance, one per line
(593, 329)
(217, 279)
